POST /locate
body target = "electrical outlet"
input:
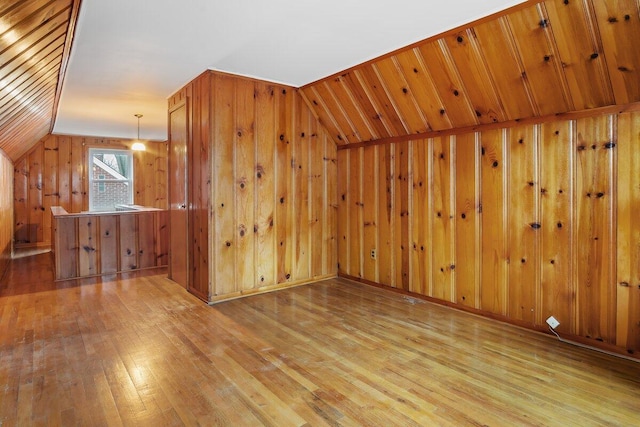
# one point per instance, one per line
(373, 254)
(553, 322)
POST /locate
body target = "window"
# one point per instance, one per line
(110, 178)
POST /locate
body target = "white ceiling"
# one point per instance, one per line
(128, 56)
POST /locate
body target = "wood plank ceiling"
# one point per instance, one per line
(547, 58)
(35, 40)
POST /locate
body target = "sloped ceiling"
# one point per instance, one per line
(552, 57)
(35, 38)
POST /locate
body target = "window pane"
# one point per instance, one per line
(110, 178)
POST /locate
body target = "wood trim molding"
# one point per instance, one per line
(570, 115)
(66, 54)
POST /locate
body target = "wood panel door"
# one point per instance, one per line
(178, 221)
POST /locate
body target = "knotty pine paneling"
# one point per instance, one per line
(538, 59)
(53, 173)
(516, 223)
(272, 180)
(99, 244)
(6, 211)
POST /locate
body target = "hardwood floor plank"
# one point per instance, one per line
(139, 350)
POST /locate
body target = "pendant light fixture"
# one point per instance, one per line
(138, 145)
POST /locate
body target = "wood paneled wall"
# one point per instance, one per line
(518, 223)
(53, 173)
(6, 211)
(272, 185)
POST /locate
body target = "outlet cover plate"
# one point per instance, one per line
(553, 322)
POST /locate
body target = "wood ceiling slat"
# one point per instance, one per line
(541, 63)
(456, 104)
(28, 125)
(22, 15)
(475, 77)
(8, 53)
(345, 99)
(19, 82)
(423, 89)
(41, 81)
(33, 34)
(509, 77)
(401, 96)
(325, 93)
(325, 115)
(537, 60)
(378, 93)
(583, 60)
(33, 55)
(370, 109)
(619, 25)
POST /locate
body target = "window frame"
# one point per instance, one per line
(91, 180)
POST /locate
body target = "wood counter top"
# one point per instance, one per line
(58, 211)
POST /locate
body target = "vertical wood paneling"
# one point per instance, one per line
(318, 208)
(273, 183)
(523, 220)
(66, 246)
(386, 191)
(50, 194)
(109, 244)
(265, 172)
(224, 209)
(35, 194)
(21, 201)
(99, 244)
(129, 237)
(330, 231)
(52, 174)
(301, 179)
(88, 246)
(370, 213)
(493, 283)
(594, 221)
(401, 225)
(467, 220)
(628, 233)
(147, 225)
(442, 220)
(6, 212)
(356, 212)
(343, 210)
(284, 196)
(244, 186)
(420, 230)
(556, 219)
(79, 197)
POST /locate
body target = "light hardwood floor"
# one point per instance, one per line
(142, 351)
